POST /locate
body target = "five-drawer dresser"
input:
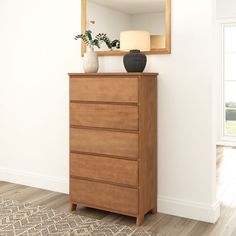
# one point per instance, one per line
(113, 142)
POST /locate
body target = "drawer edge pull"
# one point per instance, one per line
(105, 182)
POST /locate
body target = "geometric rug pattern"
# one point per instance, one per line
(26, 219)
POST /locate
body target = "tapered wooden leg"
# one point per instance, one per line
(73, 207)
(139, 220)
(154, 210)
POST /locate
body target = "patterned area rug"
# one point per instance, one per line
(26, 219)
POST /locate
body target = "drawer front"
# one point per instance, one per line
(104, 89)
(104, 168)
(104, 142)
(104, 196)
(104, 115)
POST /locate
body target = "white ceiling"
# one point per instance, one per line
(133, 6)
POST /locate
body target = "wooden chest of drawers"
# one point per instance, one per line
(113, 142)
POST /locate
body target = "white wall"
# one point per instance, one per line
(225, 8)
(37, 50)
(152, 22)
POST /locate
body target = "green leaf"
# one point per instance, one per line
(115, 43)
(96, 43)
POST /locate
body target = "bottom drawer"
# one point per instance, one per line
(104, 196)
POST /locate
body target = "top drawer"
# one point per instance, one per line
(104, 89)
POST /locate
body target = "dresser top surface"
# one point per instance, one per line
(113, 74)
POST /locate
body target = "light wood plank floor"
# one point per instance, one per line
(159, 223)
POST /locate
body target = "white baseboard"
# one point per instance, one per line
(192, 210)
(35, 180)
(172, 206)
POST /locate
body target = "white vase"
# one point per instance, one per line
(90, 62)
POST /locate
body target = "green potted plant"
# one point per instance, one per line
(90, 62)
(98, 40)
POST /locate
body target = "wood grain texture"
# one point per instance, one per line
(168, 26)
(104, 142)
(113, 120)
(111, 74)
(147, 146)
(108, 89)
(83, 24)
(104, 196)
(104, 115)
(105, 169)
(157, 223)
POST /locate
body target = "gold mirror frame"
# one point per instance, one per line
(166, 50)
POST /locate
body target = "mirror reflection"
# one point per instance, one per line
(114, 16)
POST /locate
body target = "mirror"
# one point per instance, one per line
(113, 16)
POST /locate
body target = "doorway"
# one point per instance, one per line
(228, 81)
